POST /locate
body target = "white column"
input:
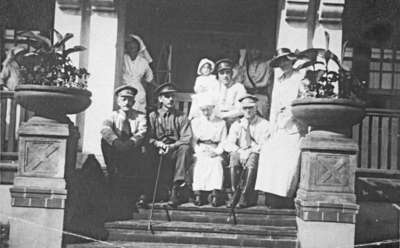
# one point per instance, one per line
(69, 21)
(103, 39)
(99, 28)
(292, 28)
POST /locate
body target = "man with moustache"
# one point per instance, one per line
(170, 135)
(122, 136)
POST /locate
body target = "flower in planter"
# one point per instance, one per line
(326, 80)
(50, 64)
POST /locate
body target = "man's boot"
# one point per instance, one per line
(142, 203)
(235, 173)
(248, 197)
(198, 198)
(179, 194)
(216, 198)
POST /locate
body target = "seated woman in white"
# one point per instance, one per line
(208, 132)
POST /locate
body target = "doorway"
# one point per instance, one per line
(194, 29)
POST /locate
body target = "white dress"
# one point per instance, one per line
(135, 73)
(208, 171)
(279, 157)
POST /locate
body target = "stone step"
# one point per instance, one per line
(223, 218)
(197, 227)
(199, 238)
(257, 215)
(254, 210)
(123, 244)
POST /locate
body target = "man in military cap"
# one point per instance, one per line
(228, 107)
(170, 135)
(122, 135)
(245, 138)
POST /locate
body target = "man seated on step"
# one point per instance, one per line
(122, 135)
(245, 138)
(170, 136)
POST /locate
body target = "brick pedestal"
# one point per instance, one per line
(326, 203)
(47, 155)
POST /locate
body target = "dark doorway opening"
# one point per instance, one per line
(195, 29)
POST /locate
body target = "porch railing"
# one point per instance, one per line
(378, 134)
(11, 116)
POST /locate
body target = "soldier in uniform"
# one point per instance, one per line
(228, 107)
(245, 138)
(171, 135)
(122, 135)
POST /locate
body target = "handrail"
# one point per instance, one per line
(381, 111)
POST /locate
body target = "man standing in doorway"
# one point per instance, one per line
(257, 76)
(244, 142)
(170, 136)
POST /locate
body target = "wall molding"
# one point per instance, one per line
(297, 11)
(330, 11)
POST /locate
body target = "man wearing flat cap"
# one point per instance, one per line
(170, 135)
(122, 135)
(228, 108)
(245, 138)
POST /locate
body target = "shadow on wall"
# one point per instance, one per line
(86, 206)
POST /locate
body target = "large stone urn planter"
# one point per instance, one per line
(328, 116)
(52, 102)
(47, 159)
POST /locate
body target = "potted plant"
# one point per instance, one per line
(331, 103)
(50, 85)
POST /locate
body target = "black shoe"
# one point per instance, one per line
(142, 204)
(229, 204)
(216, 198)
(177, 193)
(246, 201)
(198, 201)
(215, 202)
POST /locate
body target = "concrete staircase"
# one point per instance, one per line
(205, 226)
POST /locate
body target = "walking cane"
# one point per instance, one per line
(150, 226)
(235, 200)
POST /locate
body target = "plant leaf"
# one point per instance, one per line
(44, 42)
(73, 49)
(306, 64)
(60, 45)
(311, 53)
(326, 40)
(58, 35)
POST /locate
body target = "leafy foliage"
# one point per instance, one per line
(323, 82)
(50, 64)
